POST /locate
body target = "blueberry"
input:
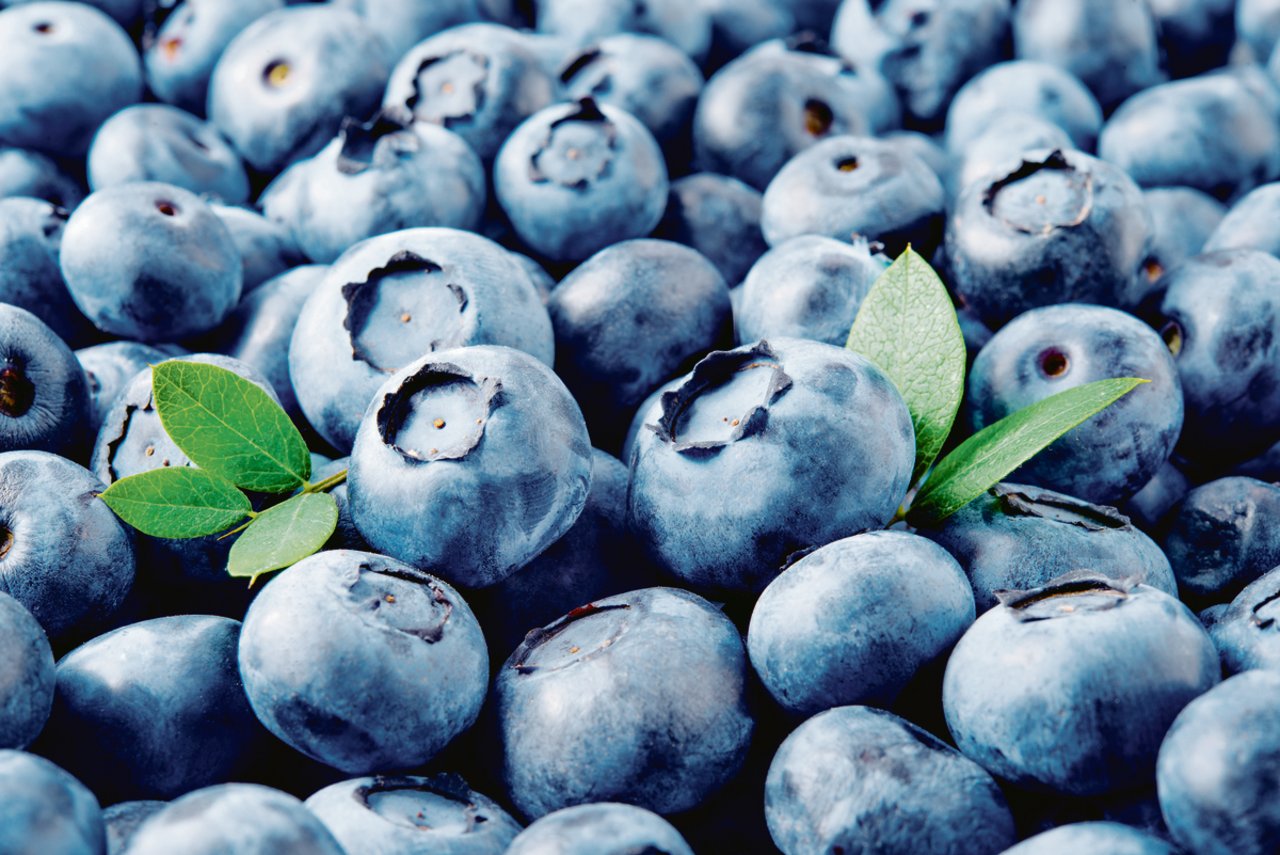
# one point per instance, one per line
(1217, 774)
(852, 622)
(1023, 87)
(479, 81)
(406, 815)
(720, 217)
(604, 828)
(404, 23)
(377, 177)
(362, 662)
(1211, 133)
(575, 178)
(181, 57)
(1149, 507)
(1028, 691)
(849, 187)
(765, 451)
(738, 25)
(581, 22)
(150, 261)
(26, 686)
(44, 809)
(1220, 315)
(470, 462)
(923, 146)
(283, 85)
(154, 709)
(1258, 27)
(1007, 137)
(856, 779)
(1182, 220)
(29, 173)
(1018, 537)
(1195, 35)
(156, 142)
(807, 287)
(628, 319)
(1220, 538)
(637, 698)
(66, 68)
(1049, 350)
(1056, 227)
(266, 249)
(123, 821)
(391, 299)
(247, 819)
(30, 278)
(1249, 224)
(1244, 630)
(1112, 838)
(1110, 45)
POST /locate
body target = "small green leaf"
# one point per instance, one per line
(979, 462)
(177, 502)
(283, 535)
(228, 425)
(908, 328)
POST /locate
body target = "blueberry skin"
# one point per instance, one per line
(849, 187)
(603, 828)
(26, 686)
(108, 368)
(247, 819)
(1111, 838)
(68, 560)
(1248, 224)
(646, 76)
(123, 821)
(266, 249)
(1023, 86)
(1257, 27)
(925, 147)
(1220, 315)
(628, 319)
(575, 178)
(1006, 138)
(505, 474)
(1220, 538)
(404, 816)
(1110, 46)
(807, 287)
(1195, 35)
(725, 485)
(389, 300)
(362, 662)
(44, 809)
(1023, 696)
(1017, 537)
(180, 59)
(30, 278)
(582, 22)
(927, 49)
(1149, 506)
(1212, 133)
(596, 558)
(66, 68)
(479, 81)
(1008, 253)
(374, 178)
(156, 142)
(637, 698)
(154, 709)
(905, 598)
(718, 216)
(283, 85)
(1244, 630)
(29, 173)
(404, 23)
(1182, 220)
(150, 261)
(1049, 350)
(857, 779)
(1216, 772)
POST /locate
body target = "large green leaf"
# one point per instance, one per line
(230, 426)
(177, 502)
(907, 326)
(284, 535)
(989, 455)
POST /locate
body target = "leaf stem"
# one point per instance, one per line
(238, 528)
(327, 484)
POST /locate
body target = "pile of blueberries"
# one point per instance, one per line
(619, 569)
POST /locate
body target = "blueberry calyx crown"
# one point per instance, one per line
(1259, 620)
(17, 392)
(586, 166)
(1041, 217)
(1020, 501)
(431, 633)
(536, 639)
(1071, 593)
(580, 62)
(402, 408)
(447, 785)
(450, 87)
(360, 141)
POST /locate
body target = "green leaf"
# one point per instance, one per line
(284, 534)
(981, 461)
(908, 328)
(230, 426)
(177, 502)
